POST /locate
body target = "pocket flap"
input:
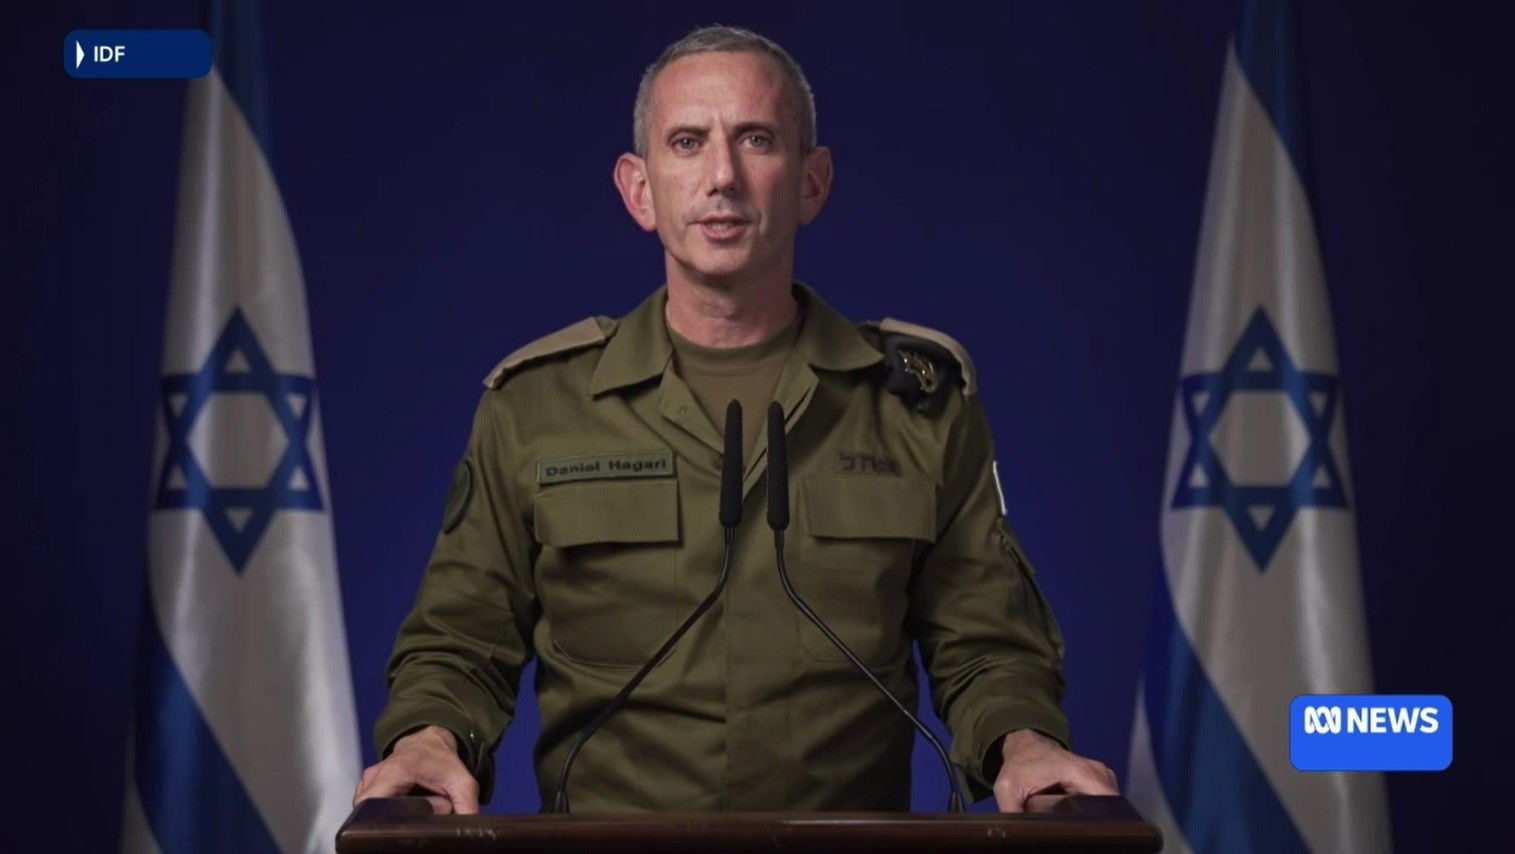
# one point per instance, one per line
(852, 506)
(575, 514)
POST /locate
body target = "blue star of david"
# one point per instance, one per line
(238, 516)
(1260, 513)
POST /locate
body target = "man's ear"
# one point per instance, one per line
(815, 183)
(631, 180)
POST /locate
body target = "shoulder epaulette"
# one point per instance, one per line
(589, 332)
(924, 364)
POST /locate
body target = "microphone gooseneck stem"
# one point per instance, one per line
(610, 708)
(778, 520)
(730, 516)
(955, 801)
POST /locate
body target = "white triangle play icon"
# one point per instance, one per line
(299, 481)
(1259, 362)
(176, 402)
(239, 517)
(1322, 479)
(1200, 398)
(176, 478)
(1198, 478)
(297, 404)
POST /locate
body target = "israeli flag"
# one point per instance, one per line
(244, 735)
(1258, 598)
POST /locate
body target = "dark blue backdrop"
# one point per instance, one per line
(1026, 176)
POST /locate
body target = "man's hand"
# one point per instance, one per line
(427, 758)
(1035, 763)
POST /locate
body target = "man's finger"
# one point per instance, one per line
(446, 777)
(1109, 775)
(1007, 796)
(464, 792)
(448, 785)
(391, 781)
(1082, 779)
(368, 775)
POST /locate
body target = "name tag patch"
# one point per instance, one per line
(605, 466)
(862, 462)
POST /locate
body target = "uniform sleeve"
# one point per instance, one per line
(458, 657)
(988, 640)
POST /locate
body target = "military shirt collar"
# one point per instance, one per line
(639, 349)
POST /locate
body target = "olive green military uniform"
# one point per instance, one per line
(581, 528)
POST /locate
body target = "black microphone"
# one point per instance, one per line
(778, 520)
(731, 470)
(730, 517)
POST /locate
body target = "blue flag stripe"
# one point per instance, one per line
(1267, 48)
(1214, 787)
(190, 794)
(236, 37)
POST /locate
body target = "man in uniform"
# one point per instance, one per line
(581, 523)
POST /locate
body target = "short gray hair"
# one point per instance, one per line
(730, 40)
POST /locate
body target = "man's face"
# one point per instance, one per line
(725, 183)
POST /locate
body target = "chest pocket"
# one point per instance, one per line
(607, 573)
(862, 535)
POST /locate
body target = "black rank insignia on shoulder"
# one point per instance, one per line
(923, 373)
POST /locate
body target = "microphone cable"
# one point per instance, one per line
(730, 518)
(778, 520)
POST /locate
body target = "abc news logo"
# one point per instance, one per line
(1374, 720)
(1370, 732)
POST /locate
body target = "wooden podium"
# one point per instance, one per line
(1053, 823)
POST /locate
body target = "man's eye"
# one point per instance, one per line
(684, 143)
(760, 140)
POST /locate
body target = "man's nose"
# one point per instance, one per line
(724, 176)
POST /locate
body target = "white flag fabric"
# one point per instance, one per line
(244, 735)
(1259, 597)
